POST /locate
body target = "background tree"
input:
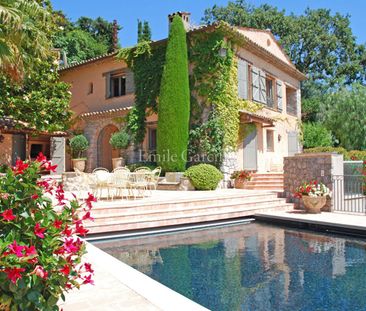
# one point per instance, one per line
(39, 98)
(316, 135)
(344, 115)
(174, 102)
(22, 36)
(143, 31)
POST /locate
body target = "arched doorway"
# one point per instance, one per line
(105, 150)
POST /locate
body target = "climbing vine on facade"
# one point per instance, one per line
(147, 62)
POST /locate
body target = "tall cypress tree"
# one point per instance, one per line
(174, 102)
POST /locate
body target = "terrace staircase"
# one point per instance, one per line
(266, 181)
(122, 216)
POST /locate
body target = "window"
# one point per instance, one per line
(270, 140)
(35, 150)
(270, 92)
(152, 140)
(91, 88)
(291, 101)
(117, 85)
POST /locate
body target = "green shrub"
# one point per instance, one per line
(133, 166)
(174, 102)
(204, 176)
(78, 145)
(316, 135)
(348, 155)
(120, 140)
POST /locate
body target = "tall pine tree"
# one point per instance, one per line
(174, 102)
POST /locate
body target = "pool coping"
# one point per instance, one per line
(307, 221)
(156, 293)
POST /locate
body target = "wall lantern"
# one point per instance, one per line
(222, 52)
(279, 137)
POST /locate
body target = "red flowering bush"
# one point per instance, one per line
(242, 175)
(312, 189)
(40, 252)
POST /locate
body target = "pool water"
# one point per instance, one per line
(253, 267)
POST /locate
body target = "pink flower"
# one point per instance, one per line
(30, 251)
(87, 216)
(38, 230)
(40, 272)
(80, 230)
(71, 246)
(16, 249)
(14, 274)
(34, 196)
(88, 280)
(41, 158)
(8, 215)
(88, 267)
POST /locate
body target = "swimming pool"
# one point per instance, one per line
(253, 267)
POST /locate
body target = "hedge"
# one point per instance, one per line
(174, 102)
(204, 176)
(348, 155)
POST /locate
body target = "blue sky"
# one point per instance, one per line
(156, 11)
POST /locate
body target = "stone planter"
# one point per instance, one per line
(118, 162)
(79, 164)
(173, 176)
(313, 205)
(185, 184)
(240, 183)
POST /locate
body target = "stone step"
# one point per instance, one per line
(114, 226)
(194, 201)
(156, 209)
(257, 182)
(278, 188)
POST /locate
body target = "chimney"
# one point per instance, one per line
(186, 18)
(115, 35)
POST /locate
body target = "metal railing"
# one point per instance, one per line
(349, 193)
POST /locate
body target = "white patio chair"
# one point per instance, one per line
(154, 178)
(139, 182)
(120, 181)
(103, 181)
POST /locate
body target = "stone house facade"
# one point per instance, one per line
(103, 93)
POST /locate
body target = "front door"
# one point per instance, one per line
(250, 151)
(105, 150)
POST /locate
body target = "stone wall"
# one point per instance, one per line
(229, 165)
(311, 166)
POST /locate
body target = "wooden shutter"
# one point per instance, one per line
(255, 83)
(58, 153)
(262, 87)
(279, 95)
(108, 85)
(242, 79)
(130, 84)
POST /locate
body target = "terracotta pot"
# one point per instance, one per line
(118, 162)
(313, 205)
(79, 164)
(240, 183)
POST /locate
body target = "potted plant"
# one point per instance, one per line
(120, 141)
(240, 178)
(314, 195)
(78, 145)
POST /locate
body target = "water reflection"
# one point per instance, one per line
(253, 267)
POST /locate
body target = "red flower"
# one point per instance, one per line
(16, 249)
(81, 230)
(38, 230)
(41, 158)
(14, 274)
(8, 215)
(40, 272)
(30, 251)
(57, 224)
(89, 200)
(34, 196)
(65, 270)
(87, 216)
(67, 231)
(88, 267)
(20, 167)
(71, 246)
